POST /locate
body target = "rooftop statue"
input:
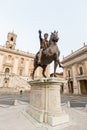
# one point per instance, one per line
(48, 52)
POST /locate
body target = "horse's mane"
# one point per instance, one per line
(52, 40)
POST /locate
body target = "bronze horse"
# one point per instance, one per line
(48, 55)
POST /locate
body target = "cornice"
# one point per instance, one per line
(76, 60)
(77, 54)
(17, 52)
(82, 77)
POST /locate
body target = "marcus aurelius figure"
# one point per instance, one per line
(43, 45)
(48, 52)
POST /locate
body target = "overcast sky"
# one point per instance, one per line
(26, 17)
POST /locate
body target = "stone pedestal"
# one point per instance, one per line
(45, 103)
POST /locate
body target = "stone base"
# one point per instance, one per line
(35, 113)
(59, 119)
(45, 102)
(42, 116)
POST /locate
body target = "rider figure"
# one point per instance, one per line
(43, 44)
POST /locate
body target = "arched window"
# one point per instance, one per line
(7, 70)
(11, 38)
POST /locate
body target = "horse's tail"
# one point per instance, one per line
(36, 59)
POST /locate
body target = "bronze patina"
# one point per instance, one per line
(48, 52)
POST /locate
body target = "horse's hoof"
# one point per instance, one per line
(44, 76)
(55, 75)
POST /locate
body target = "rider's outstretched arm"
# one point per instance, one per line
(40, 37)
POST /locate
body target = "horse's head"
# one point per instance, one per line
(54, 36)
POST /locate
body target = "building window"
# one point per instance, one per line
(22, 60)
(20, 72)
(80, 70)
(7, 70)
(31, 72)
(69, 73)
(11, 38)
(9, 57)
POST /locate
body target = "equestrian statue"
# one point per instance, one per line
(48, 52)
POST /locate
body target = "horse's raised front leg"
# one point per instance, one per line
(44, 69)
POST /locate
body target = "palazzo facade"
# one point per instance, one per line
(14, 62)
(75, 71)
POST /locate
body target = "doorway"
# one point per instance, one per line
(83, 86)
